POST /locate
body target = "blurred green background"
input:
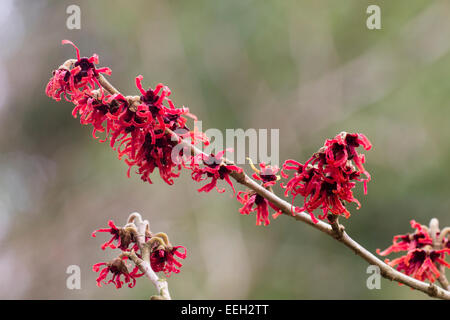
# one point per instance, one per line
(310, 68)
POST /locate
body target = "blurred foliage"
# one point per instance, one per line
(310, 68)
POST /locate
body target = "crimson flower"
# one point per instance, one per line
(150, 156)
(72, 83)
(93, 112)
(410, 241)
(266, 174)
(254, 202)
(118, 268)
(327, 178)
(421, 263)
(141, 134)
(123, 237)
(60, 84)
(343, 148)
(164, 259)
(213, 168)
(421, 260)
(155, 99)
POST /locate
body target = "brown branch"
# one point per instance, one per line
(334, 229)
(106, 85)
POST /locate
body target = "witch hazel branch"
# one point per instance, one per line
(151, 134)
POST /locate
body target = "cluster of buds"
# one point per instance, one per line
(425, 251)
(138, 243)
(327, 178)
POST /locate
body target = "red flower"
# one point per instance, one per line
(343, 148)
(93, 112)
(142, 138)
(409, 241)
(118, 268)
(266, 174)
(124, 237)
(150, 156)
(164, 259)
(60, 84)
(421, 261)
(154, 99)
(326, 180)
(213, 168)
(81, 79)
(254, 202)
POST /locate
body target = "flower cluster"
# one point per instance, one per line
(327, 179)
(155, 249)
(135, 126)
(118, 268)
(421, 259)
(214, 168)
(163, 253)
(145, 130)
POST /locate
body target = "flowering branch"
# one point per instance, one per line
(146, 130)
(334, 229)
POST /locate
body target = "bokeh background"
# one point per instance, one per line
(309, 68)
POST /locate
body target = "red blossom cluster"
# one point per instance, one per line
(141, 128)
(421, 260)
(161, 257)
(327, 178)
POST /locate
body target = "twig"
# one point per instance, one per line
(438, 238)
(334, 229)
(142, 226)
(106, 85)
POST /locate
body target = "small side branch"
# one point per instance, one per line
(438, 237)
(142, 228)
(144, 266)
